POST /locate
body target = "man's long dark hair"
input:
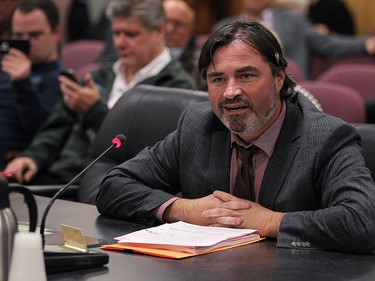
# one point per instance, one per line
(258, 37)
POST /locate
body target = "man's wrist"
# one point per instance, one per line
(159, 212)
(272, 229)
(175, 211)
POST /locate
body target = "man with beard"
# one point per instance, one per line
(308, 186)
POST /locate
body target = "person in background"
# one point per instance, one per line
(331, 16)
(180, 36)
(61, 149)
(29, 85)
(298, 36)
(180, 39)
(83, 23)
(297, 5)
(258, 155)
(327, 16)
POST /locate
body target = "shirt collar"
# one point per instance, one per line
(149, 70)
(267, 140)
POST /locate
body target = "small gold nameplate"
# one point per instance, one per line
(73, 238)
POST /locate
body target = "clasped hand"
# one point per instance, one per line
(225, 210)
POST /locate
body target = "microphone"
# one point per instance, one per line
(117, 142)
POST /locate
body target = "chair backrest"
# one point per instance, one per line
(78, 53)
(360, 77)
(81, 71)
(145, 115)
(320, 64)
(338, 100)
(367, 132)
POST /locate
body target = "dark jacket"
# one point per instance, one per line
(25, 105)
(62, 147)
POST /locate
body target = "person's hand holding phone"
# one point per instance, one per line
(77, 97)
(69, 73)
(17, 64)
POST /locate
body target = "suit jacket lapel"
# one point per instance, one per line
(285, 151)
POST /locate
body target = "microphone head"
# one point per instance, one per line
(118, 140)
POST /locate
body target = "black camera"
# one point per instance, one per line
(18, 43)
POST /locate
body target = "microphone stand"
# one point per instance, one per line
(116, 142)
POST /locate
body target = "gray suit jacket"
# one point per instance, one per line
(316, 174)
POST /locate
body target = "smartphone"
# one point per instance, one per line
(69, 73)
(18, 43)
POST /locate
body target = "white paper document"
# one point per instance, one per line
(181, 236)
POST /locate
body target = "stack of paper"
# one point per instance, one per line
(180, 239)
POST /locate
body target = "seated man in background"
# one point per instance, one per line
(331, 16)
(61, 149)
(299, 37)
(29, 85)
(259, 155)
(180, 36)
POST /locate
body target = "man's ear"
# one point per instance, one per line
(279, 79)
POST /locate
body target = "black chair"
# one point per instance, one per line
(367, 132)
(145, 115)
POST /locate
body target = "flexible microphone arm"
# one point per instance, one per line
(116, 142)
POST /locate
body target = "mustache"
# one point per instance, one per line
(236, 100)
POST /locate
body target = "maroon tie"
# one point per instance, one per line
(244, 184)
